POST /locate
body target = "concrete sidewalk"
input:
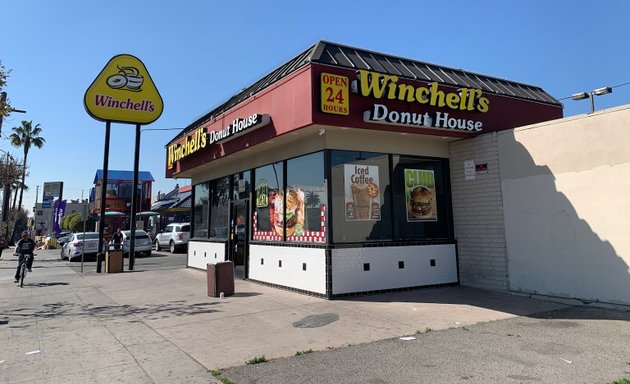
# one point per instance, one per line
(59, 328)
(159, 326)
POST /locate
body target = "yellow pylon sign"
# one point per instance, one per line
(124, 92)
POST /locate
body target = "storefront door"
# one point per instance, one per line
(239, 235)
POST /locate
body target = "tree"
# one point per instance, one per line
(9, 174)
(17, 185)
(5, 106)
(312, 199)
(26, 136)
(76, 224)
(9, 170)
(67, 220)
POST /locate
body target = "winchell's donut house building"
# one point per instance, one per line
(346, 171)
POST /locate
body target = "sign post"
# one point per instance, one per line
(123, 92)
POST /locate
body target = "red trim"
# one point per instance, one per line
(294, 103)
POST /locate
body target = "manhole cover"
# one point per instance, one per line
(315, 321)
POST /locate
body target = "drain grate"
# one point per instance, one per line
(316, 321)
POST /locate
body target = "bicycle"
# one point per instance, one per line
(23, 267)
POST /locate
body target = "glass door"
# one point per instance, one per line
(239, 235)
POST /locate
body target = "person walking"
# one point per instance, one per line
(24, 247)
(117, 239)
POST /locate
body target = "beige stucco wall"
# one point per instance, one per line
(566, 193)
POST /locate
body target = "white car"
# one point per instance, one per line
(142, 242)
(175, 236)
(78, 244)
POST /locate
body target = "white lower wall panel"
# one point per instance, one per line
(348, 273)
(201, 253)
(291, 273)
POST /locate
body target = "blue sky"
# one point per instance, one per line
(199, 53)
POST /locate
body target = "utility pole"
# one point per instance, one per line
(36, 197)
(6, 194)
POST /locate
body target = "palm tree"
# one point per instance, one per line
(26, 136)
(17, 185)
(312, 199)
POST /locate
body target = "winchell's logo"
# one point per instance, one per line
(380, 86)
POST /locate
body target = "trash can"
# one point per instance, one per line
(220, 279)
(113, 260)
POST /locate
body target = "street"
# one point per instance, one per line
(158, 260)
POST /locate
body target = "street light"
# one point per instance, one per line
(591, 95)
(3, 99)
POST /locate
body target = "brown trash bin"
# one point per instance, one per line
(220, 279)
(114, 261)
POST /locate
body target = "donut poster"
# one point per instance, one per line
(362, 192)
(420, 195)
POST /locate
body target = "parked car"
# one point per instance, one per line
(78, 244)
(142, 242)
(63, 238)
(174, 237)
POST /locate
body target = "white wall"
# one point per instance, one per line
(201, 253)
(291, 273)
(566, 193)
(348, 273)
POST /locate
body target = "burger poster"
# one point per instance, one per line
(292, 213)
(362, 197)
(420, 195)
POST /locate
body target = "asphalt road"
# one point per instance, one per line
(573, 345)
(157, 260)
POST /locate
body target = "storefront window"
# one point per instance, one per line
(421, 202)
(219, 209)
(124, 190)
(361, 196)
(306, 198)
(112, 190)
(201, 209)
(269, 202)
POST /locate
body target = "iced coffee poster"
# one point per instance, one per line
(420, 195)
(361, 186)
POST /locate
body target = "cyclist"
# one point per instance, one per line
(24, 247)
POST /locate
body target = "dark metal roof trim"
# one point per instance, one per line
(338, 55)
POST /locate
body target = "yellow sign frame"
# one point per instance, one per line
(124, 92)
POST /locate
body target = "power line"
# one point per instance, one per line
(613, 87)
(162, 129)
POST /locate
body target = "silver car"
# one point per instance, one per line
(174, 237)
(142, 242)
(79, 243)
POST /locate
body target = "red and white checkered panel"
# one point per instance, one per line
(307, 237)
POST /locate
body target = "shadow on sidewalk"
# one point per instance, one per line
(149, 312)
(493, 300)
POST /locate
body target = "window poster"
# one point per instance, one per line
(420, 195)
(291, 214)
(262, 194)
(362, 193)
